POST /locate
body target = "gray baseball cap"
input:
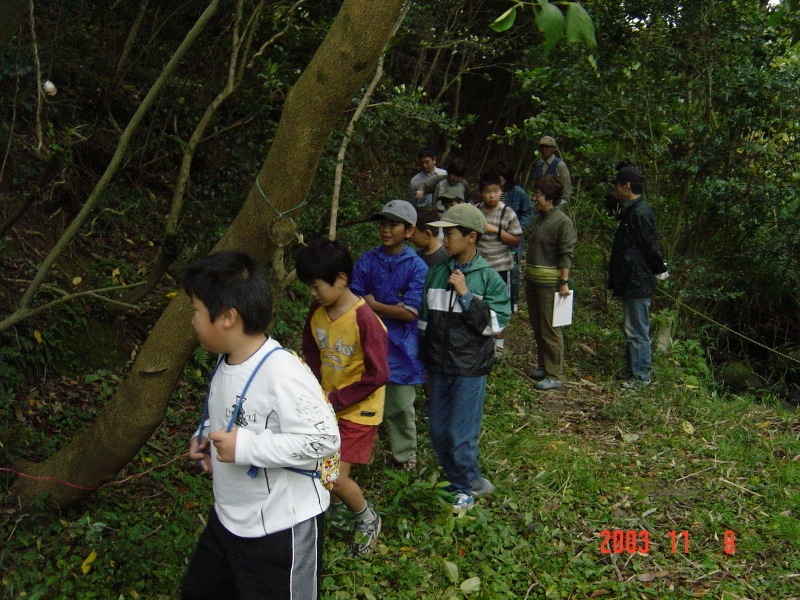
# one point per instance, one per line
(399, 211)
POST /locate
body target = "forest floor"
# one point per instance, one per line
(676, 491)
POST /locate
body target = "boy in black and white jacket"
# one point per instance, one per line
(268, 426)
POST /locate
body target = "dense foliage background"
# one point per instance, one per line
(702, 95)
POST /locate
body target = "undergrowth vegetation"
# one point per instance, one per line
(683, 456)
(579, 471)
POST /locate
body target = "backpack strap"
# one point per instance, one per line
(253, 470)
(500, 227)
(238, 406)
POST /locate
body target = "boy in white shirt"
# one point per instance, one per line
(265, 429)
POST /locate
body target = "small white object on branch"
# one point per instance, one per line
(49, 88)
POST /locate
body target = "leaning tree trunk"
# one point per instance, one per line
(337, 70)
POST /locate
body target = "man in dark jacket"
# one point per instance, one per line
(636, 263)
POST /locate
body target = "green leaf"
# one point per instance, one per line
(580, 28)
(471, 585)
(505, 21)
(368, 593)
(550, 22)
(451, 570)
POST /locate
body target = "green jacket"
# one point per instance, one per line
(456, 339)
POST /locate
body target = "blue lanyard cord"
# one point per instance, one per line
(238, 407)
(204, 418)
(253, 470)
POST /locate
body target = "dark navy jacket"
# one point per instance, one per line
(636, 255)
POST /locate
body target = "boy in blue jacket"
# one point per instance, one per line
(390, 278)
(465, 305)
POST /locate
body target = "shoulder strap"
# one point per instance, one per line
(500, 227)
(238, 407)
(252, 471)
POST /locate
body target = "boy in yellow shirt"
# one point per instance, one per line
(346, 346)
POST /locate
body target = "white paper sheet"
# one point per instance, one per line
(562, 309)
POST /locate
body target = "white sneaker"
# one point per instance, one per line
(548, 383)
(365, 536)
(462, 503)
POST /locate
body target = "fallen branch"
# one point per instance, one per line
(744, 489)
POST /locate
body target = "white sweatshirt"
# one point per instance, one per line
(284, 421)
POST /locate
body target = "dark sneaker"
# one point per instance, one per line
(548, 383)
(365, 536)
(537, 374)
(462, 503)
(482, 487)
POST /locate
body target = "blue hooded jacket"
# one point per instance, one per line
(394, 279)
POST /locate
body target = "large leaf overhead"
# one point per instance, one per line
(580, 28)
(550, 21)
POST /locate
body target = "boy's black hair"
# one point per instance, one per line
(465, 231)
(323, 259)
(425, 215)
(448, 202)
(507, 173)
(426, 152)
(457, 167)
(637, 187)
(231, 279)
(488, 178)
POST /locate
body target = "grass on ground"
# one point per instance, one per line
(568, 465)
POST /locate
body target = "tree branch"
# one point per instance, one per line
(39, 92)
(20, 315)
(348, 134)
(125, 139)
(277, 36)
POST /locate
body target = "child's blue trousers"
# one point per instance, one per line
(455, 410)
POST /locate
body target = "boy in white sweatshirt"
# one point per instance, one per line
(265, 430)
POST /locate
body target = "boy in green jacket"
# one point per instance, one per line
(465, 304)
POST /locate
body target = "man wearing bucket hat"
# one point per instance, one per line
(551, 163)
(465, 304)
(636, 262)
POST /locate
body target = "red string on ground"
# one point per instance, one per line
(92, 489)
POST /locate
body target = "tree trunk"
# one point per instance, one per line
(340, 66)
